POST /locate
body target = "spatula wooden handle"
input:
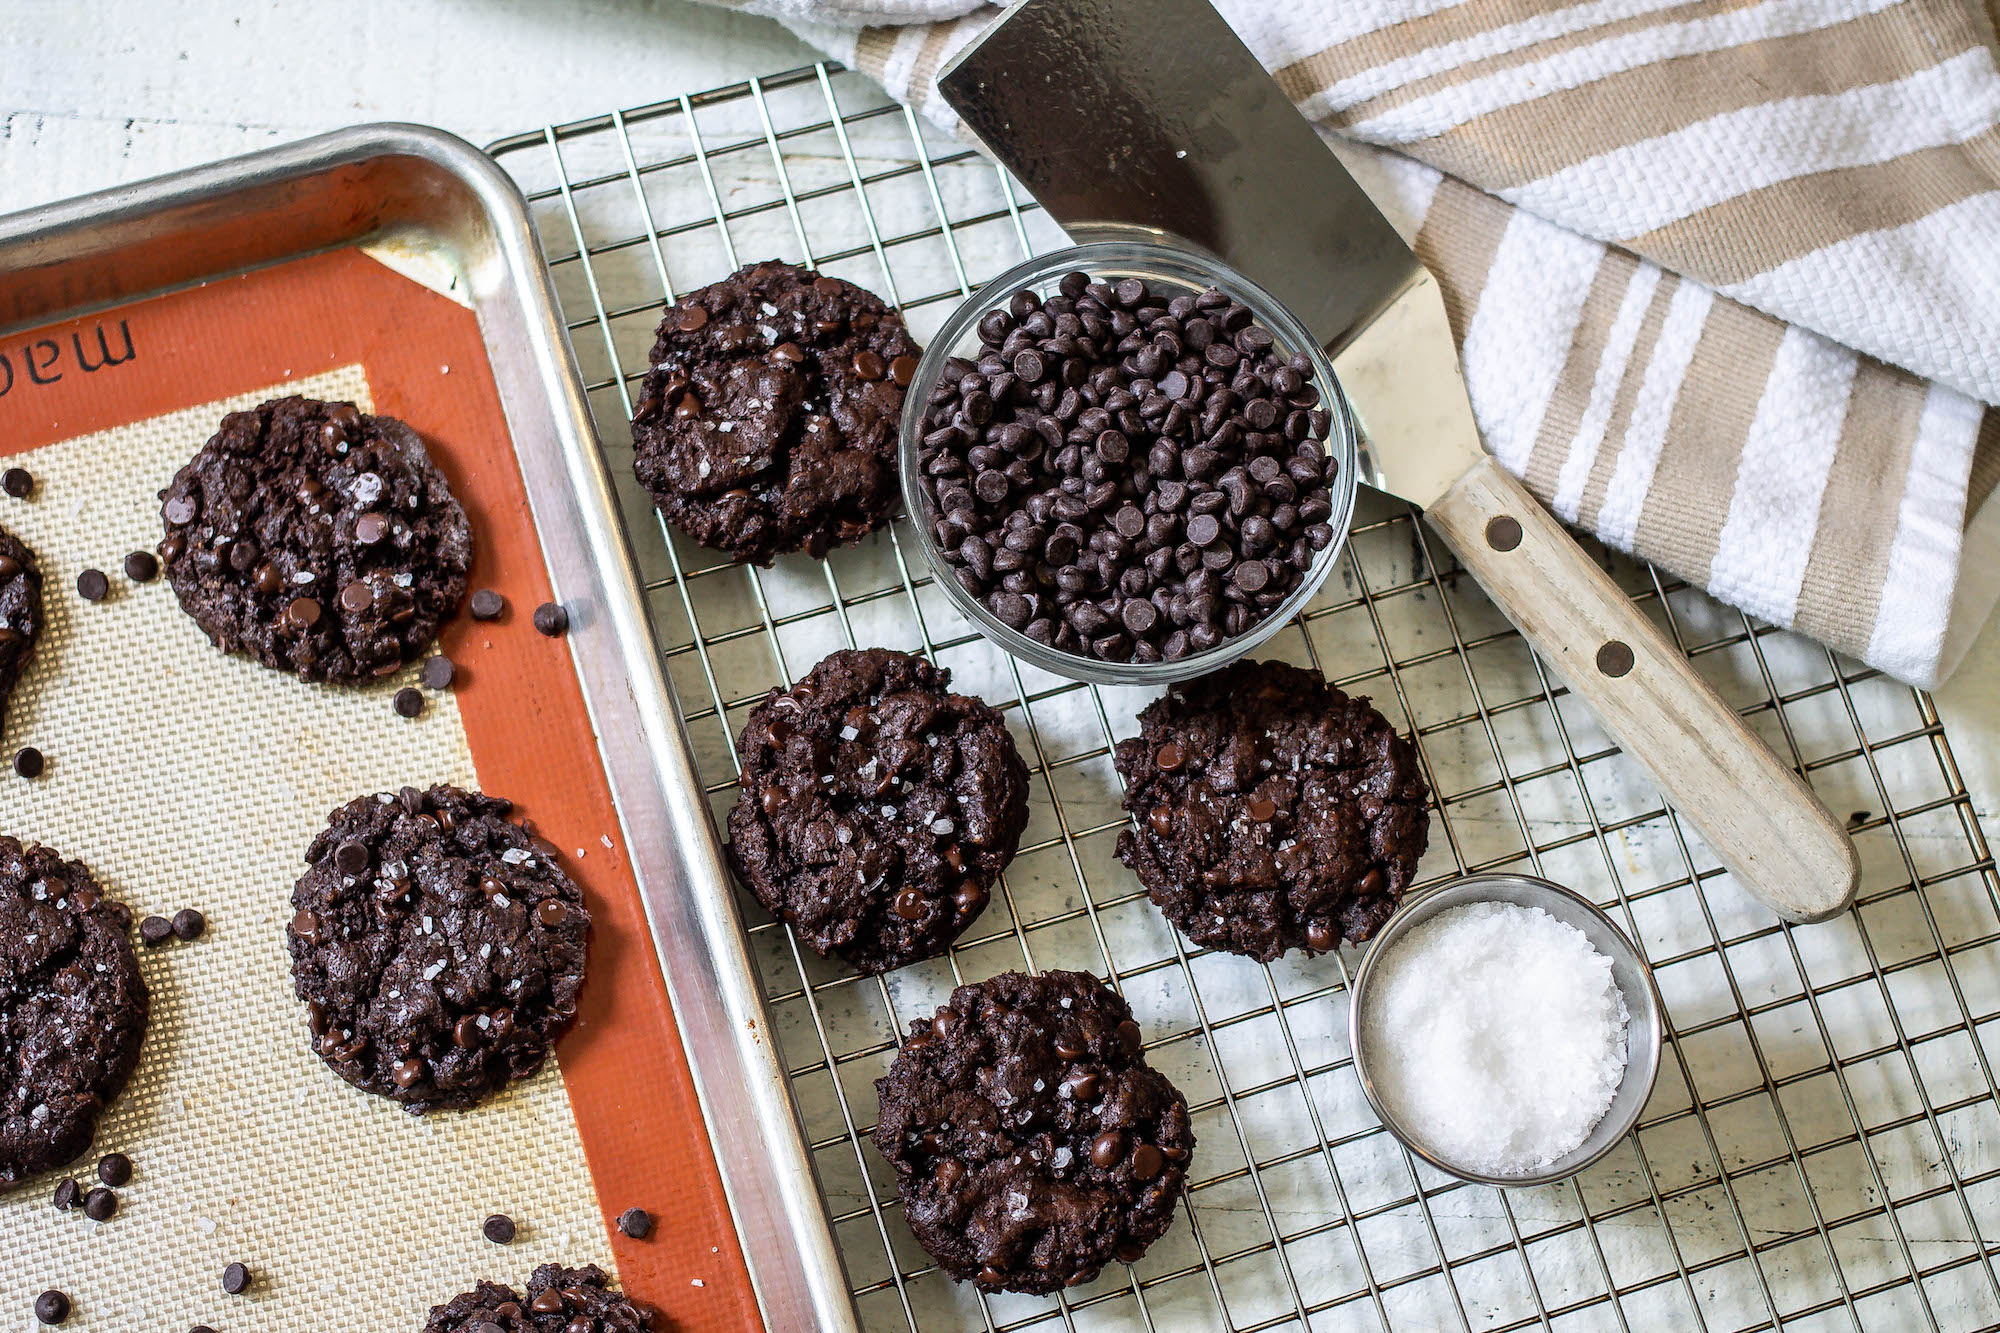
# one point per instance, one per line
(1759, 818)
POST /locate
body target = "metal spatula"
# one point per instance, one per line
(1152, 113)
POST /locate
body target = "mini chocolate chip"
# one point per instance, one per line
(92, 586)
(487, 604)
(409, 702)
(115, 1169)
(100, 1204)
(551, 619)
(189, 924)
(438, 672)
(499, 1229)
(68, 1194)
(28, 762)
(236, 1279)
(52, 1307)
(20, 483)
(142, 567)
(636, 1223)
(155, 931)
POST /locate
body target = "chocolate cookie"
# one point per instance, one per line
(769, 422)
(20, 615)
(316, 539)
(1273, 812)
(438, 946)
(877, 809)
(1032, 1144)
(557, 1300)
(72, 1008)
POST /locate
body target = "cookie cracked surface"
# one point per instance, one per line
(557, 1300)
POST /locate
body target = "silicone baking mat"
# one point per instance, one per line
(186, 778)
(1820, 1152)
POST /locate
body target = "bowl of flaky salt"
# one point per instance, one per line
(1505, 1030)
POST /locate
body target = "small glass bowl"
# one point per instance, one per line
(1165, 264)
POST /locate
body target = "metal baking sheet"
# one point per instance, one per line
(430, 207)
(1820, 1150)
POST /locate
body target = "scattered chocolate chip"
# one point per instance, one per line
(92, 586)
(551, 619)
(52, 1307)
(100, 1205)
(155, 931)
(189, 924)
(17, 482)
(68, 1194)
(487, 604)
(142, 567)
(115, 1169)
(409, 702)
(636, 1223)
(499, 1229)
(438, 672)
(236, 1279)
(28, 762)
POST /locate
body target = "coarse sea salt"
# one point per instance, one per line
(1495, 1036)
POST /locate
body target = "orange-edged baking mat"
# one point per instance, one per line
(187, 778)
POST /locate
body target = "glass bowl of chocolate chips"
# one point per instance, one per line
(1127, 463)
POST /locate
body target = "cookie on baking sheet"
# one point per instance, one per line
(1032, 1143)
(317, 539)
(438, 946)
(73, 1008)
(557, 1300)
(1271, 811)
(769, 421)
(877, 808)
(20, 614)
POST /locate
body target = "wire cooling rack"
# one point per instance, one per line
(1822, 1151)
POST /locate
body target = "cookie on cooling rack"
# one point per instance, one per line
(558, 1300)
(1271, 811)
(20, 614)
(73, 1008)
(316, 539)
(769, 421)
(1032, 1143)
(437, 944)
(877, 808)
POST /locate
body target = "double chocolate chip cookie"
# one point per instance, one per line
(769, 422)
(1031, 1142)
(558, 1300)
(20, 615)
(72, 1008)
(877, 808)
(437, 944)
(316, 539)
(1272, 811)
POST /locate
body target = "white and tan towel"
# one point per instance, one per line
(1725, 273)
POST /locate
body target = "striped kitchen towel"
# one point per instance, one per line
(1725, 273)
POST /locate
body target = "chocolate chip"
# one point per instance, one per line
(409, 702)
(1170, 757)
(92, 586)
(188, 925)
(487, 604)
(1107, 1149)
(499, 1229)
(692, 319)
(20, 483)
(115, 1169)
(142, 567)
(636, 1223)
(551, 914)
(303, 612)
(1262, 809)
(52, 1307)
(68, 1194)
(438, 672)
(352, 859)
(100, 1204)
(547, 1301)
(408, 1073)
(28, 762)
(1147, 1162)
(155, 931)
(551, 619)
(1322, 936)
(236, 1279)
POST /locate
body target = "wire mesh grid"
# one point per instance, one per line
(1822, 1150)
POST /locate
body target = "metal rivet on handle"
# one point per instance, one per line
(1503, 533)
(1614, 658)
